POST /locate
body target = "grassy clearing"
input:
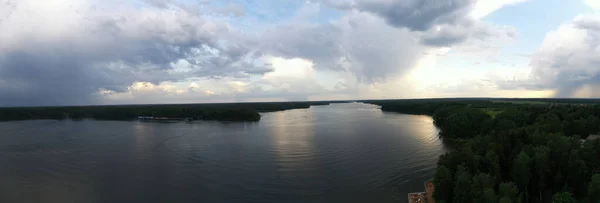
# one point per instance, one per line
(492, 112)
(520, 102)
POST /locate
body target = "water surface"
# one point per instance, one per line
(338, 153)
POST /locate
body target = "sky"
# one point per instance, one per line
(97, 52)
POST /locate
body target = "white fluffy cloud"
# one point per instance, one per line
(60, 52)
(568, 61)
(359, 43)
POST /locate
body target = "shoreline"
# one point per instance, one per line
(426, 196)
(233, 112)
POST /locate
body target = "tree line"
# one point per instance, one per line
(520, 153)
(221, 111)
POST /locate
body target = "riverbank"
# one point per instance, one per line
(323, 153)
(220, 112)
(511, 146)
(423, 197)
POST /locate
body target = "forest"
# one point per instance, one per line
(514, 150)
(220, 111)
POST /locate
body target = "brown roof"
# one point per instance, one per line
(417, 197)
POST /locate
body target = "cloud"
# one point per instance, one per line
(359, 43)
(485, 7)
(233, 9)
(570, 56)
(416, 15)
(164, 92)
(568, 59)
(292, 79)
(63, 51)
(478, 33)
(588, 91)
(441, 23)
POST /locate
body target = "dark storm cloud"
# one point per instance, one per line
(442, 22)
(61, 63)
(419, 15)
(416, 15)
(51, 78)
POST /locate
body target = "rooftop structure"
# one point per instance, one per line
(423, 197)
(593, 137)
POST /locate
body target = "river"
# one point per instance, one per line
(349, 152)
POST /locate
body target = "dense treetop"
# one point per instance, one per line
(514, 150)
(223, 111)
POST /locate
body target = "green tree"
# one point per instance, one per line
(588, 155)
(442, 182)
(536, 146)
(522, 171)
(559, 157)
(489, 196)
(504, 124)
(458, 126)
(481, 183)
(550, 123)
(592, 124)
(462, 186)
(563, 197)
(577, 174)
(594, 189)
(492, 164)
(541, 165)
(508, 192)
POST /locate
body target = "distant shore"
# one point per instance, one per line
(219, 112)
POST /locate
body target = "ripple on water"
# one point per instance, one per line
(336, 153)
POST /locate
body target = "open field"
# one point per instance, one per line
(492, 112)
(521, 101)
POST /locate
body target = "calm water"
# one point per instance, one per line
(335, 153)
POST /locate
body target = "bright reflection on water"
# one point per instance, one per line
(336, 153)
